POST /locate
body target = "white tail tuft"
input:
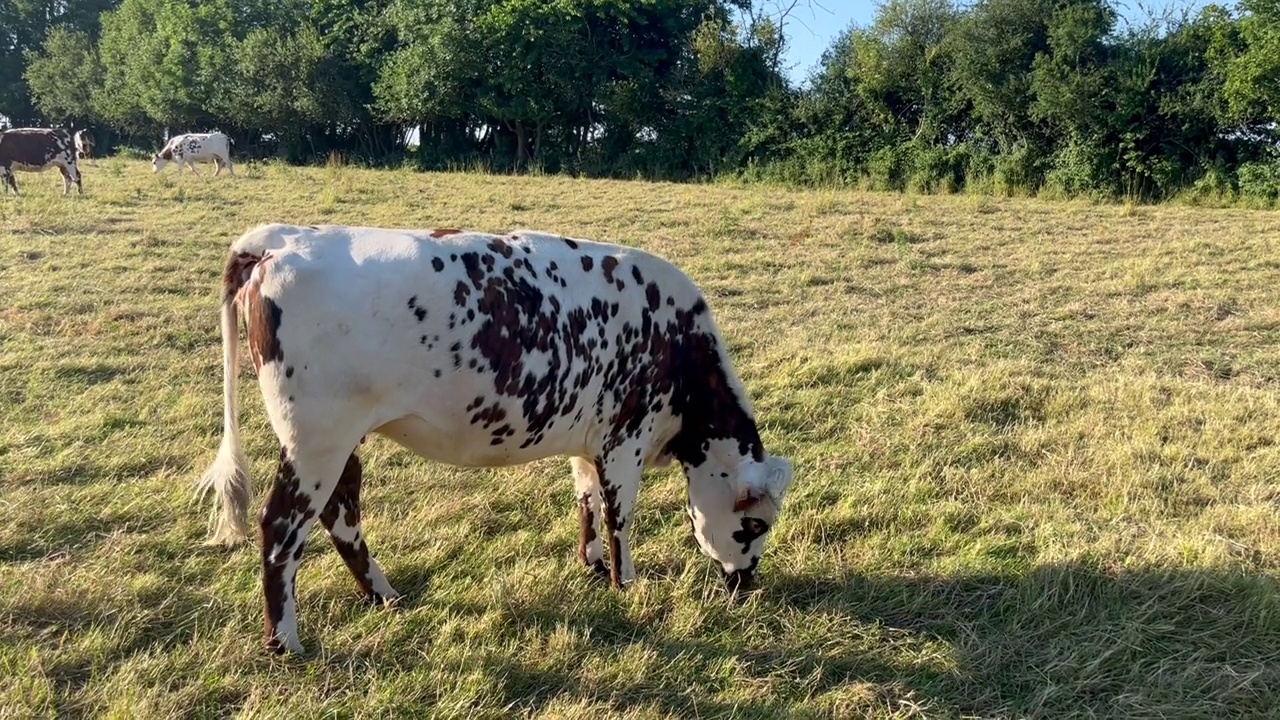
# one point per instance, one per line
(228, 476)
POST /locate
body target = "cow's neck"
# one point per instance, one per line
(716, 422)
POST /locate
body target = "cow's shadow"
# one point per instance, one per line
(1053, 640)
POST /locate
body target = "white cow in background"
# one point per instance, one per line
(191, 148)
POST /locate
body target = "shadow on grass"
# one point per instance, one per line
(1053, 641)
(1069, 639)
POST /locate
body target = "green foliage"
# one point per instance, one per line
(1005, 96)
(64, 74)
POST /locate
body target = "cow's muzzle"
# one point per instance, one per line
(739, 582)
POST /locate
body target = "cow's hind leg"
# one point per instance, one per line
(217, 166)
(304, 482)
(586, 485)
(66, 179)
(341, 517)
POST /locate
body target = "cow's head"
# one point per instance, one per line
(734, 502)
(161, 159)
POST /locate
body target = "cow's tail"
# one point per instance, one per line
(228, 476)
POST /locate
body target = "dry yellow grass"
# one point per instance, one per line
(1035, 445)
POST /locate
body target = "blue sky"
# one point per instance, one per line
(811, 29)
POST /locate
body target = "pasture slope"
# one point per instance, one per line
(1036, 450)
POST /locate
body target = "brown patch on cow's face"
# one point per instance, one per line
(444, 232)
(166, 154)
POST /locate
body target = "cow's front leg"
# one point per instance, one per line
(341, 517)
(302, 486)
(192, 165)
(586, 487)
(620, 472)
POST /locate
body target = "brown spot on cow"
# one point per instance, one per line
(262, 315)
(608, 265)
(444, 232)
(501, 247)
(237, 272)
(343, 509)
(587, 263)
(613, 523)
(285, 509)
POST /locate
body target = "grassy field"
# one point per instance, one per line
(1036, 451)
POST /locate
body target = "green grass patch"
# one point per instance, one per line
(1035, 447)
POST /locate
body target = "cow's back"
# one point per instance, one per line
(477, 349)
(35, 148)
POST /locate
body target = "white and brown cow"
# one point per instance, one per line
(481, 350)
(37, 150)
(84, 144)
(190, 148)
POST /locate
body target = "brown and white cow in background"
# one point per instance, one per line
(37, 150)
(484, 351)
(84, 144)
(191, 148)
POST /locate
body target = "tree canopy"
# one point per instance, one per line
(932, 94)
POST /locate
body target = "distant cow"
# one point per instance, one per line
(37, 150)
(191, 148)
(483, 351)
(84, 144)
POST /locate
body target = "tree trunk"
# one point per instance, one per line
(522, 142)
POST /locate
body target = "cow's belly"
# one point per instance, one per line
(468, 445)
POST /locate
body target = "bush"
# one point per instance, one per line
(1260, 181)
(1080, 170)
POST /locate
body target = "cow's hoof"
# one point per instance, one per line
(280, 645)
(390, 601)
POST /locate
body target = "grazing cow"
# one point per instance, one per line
(37, 150)
(84, 144)
(192, 148)
(483, 351)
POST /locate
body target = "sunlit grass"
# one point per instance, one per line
(1035, 446)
